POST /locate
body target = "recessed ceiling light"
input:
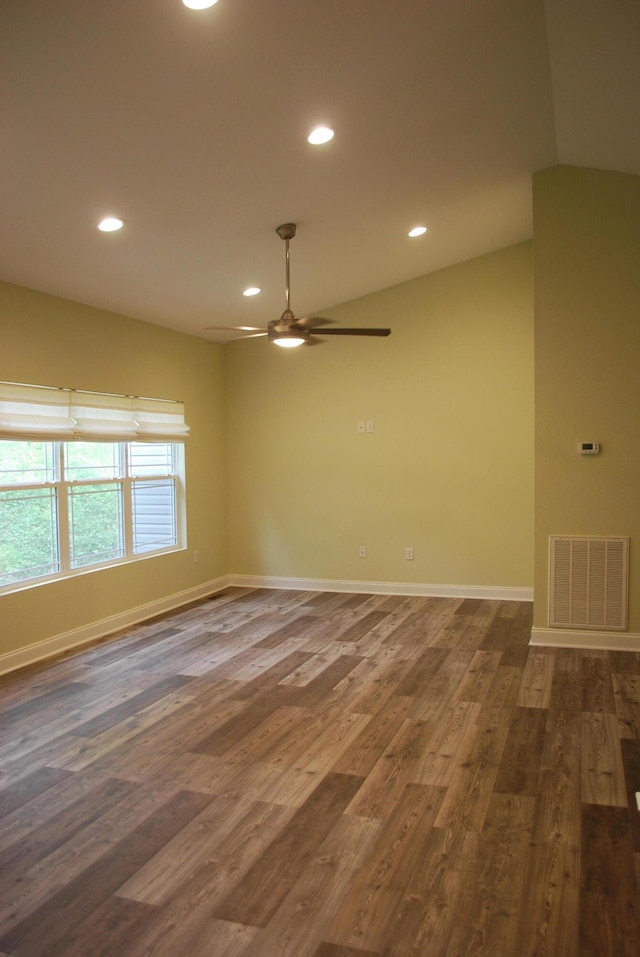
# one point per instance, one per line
(199, 4)
(251, 291)
(417, 231)
(110, 224)
(321, 134)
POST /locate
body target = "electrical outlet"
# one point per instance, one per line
(408, 554)
(363, 551)
(371, 425)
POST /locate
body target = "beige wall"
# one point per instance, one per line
(49, 341)
(587, 321)
(449, 469)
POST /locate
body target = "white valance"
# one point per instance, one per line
(41, 413)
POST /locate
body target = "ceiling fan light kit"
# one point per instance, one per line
(289, 340)
(289, 331)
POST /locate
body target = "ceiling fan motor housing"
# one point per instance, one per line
(285, 328)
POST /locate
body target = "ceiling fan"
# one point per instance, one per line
(289, 330)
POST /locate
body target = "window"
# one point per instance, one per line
(66, 506)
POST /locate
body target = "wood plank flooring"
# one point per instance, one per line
(294, 774)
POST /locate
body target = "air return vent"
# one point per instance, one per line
(588, 583)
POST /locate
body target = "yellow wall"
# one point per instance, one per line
(49, 341)
(587, 322)
(449, 469)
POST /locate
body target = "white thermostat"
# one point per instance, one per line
(589, 448)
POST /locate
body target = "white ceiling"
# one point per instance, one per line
(192, 126)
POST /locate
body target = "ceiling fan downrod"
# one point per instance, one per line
(283, 332)
(287, 231)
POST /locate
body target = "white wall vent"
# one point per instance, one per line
(588, 583)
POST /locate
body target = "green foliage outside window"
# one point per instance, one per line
(28, 540)
(95, 524)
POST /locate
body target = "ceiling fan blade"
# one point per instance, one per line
(244, 332)
(353, 332)
(310, 322)
(247, 335)
(235, 329)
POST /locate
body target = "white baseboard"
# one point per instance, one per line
(549, 637)
(94, 630)
(384, 588)
(106, 626)
(595, 640)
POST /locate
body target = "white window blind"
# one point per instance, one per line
(159, 420)
(39, 412)
(34, 412)
(103, 416)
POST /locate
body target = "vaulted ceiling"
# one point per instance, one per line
(192, 126)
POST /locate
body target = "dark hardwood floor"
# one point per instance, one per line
(294, 774)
